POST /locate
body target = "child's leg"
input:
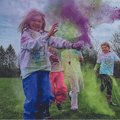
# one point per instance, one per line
(52, 81)
(61, 88)
(37, 89)
(47, 113)
(103, 82)
(109, 89)
(74, 92)
(31, 92)
(109, 85)
(74, 99)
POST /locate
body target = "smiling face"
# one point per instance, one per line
(36, 23)
(105, 49)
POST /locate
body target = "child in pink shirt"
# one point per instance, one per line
(59, 89)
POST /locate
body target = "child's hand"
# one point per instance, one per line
(118, 61)
(53, 59)
(81, 59)
(77, 46)
(53, 30)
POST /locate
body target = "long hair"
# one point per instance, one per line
(25, 24)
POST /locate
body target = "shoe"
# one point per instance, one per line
(113, 104)
(59, 107)
(47, 114)
(69, 96)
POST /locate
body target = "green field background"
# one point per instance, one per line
(92, 103)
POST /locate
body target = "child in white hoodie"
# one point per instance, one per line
(34, 62)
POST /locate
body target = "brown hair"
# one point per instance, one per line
(106, 44)
(25, 24)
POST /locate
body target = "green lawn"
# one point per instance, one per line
(92, 103)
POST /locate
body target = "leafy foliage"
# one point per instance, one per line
(115, 46)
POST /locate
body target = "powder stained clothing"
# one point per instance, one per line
(37, 89)
(34, 54)
(106, 81)
(57, 66)
(35, 67)
(73, 73)
(106, 62)
(59, 89)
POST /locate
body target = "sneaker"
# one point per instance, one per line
(59, 107)
(47, 114)
(69, 96)
(113, 104)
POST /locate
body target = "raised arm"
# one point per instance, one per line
(60, 43)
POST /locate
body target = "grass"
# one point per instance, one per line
(92, 103)
(9, 101)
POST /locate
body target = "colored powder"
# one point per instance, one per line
(68, 10)
(91, 93)
(84, 15)
(115, 90)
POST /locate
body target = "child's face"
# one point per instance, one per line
(36, 23)
(105, 49)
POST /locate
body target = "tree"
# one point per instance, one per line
(115, 42)
(2, 62)
(11, 61)
(115, 46)
(90, 55)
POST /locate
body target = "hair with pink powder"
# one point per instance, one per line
(25, 24)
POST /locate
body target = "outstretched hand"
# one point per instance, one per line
(118, 61)
(77, 46)
(53, 59)
(53, 30)
(81, 59)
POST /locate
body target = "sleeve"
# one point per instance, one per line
(99, 60)
(31, 44)
(59, 43)
(79, 53)
(96, 66)
(116, 58)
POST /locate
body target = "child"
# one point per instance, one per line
(59, 89)
(71, 60)
(106, 63)
(34, 62)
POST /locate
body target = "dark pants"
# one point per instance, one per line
(37, 89)
(106, 81)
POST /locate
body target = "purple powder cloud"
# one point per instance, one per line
(84, 17)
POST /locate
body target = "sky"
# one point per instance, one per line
(12, 12)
